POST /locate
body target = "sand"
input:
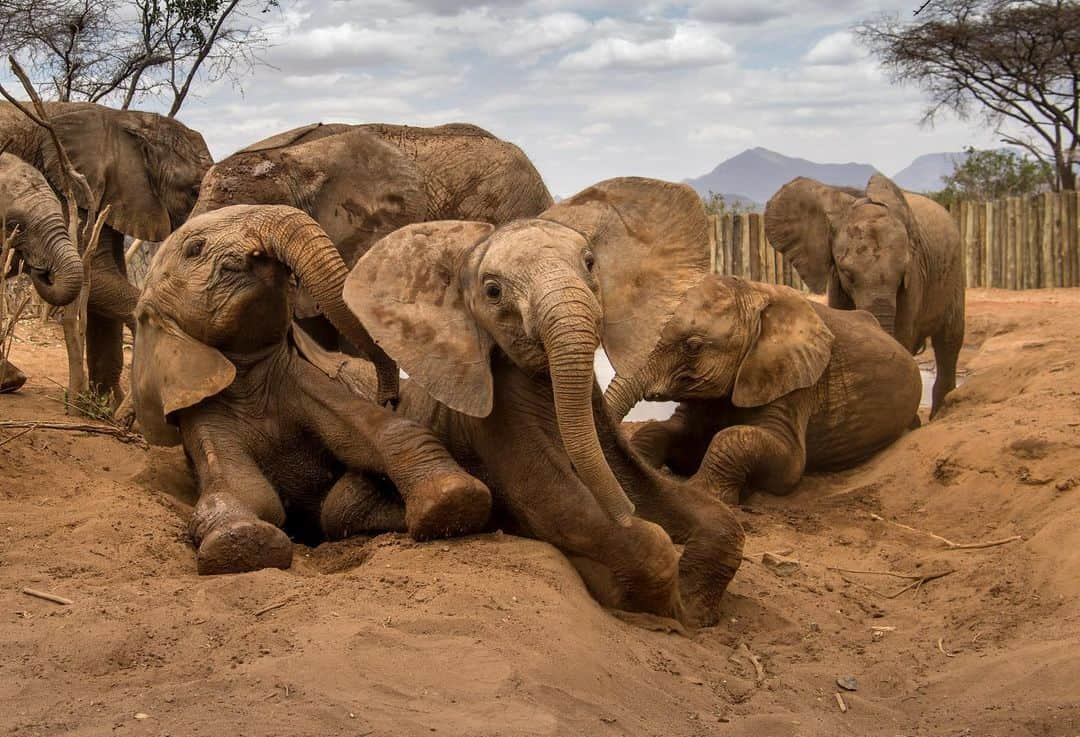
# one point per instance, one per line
(495, 635)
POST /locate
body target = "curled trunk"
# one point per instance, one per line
(298, 242)
(568, 330)
(61, 279)
(622, 394)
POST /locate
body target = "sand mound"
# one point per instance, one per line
(495, 635)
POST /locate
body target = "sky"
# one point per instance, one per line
(590, 89)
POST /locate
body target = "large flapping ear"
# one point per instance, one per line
(171, 371)
(303, 134)
(791, 351)
(407, 292)
(114, 163)
(650, 239)
(883, 191)
(800, 221)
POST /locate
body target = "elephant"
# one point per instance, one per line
(497, 329)
(271, 437)
(362, 182)
(894, 254)
(30, 210)
(147, 168)
(770, 384)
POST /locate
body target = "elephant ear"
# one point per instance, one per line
(791, 351)
(171, 371)
(883, 191)
(650, 239)
(407, 291)
(800, 221)
(303, 134)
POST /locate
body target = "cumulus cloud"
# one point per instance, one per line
(690, 45)
(547, 33)
(836, 49)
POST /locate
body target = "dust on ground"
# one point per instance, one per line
(495, 635)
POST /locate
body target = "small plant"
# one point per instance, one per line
(96, 406)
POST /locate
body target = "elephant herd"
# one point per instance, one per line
(298, 275)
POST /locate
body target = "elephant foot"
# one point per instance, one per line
(242, 546)
(11, 378)
(124, 415)
(448, 504)
(709, 561)
(652, 584)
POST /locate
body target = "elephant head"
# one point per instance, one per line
(43, 242)
(440, 297)
(730, 338)
(146, 166)
(867, 243)
(217, 295)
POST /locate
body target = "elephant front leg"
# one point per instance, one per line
(105, 356)
(674, 442)
(357, 506)
(742, 456)
(947, 346)
(236, 524)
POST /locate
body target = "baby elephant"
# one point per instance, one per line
(770, 384)
(271, 436)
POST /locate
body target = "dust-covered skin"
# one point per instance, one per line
(770, 385)
(272, 438)
(360, 183)
(499, 327)
(894, 254)
(147, 169)
(37, 232)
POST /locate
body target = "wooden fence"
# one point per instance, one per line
(1015, 243)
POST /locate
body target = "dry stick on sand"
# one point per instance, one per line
(917, 580)
(116, 432)
(840, 703)
(759, 669)
(270, 607)
(48, 597)
(949, 544)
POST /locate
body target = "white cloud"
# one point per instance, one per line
(691, 45)
(721, 132)
(836, 49)
(547, 33)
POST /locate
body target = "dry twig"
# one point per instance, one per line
(759, 669)
(840, 703)
(270, 608)
(116, 432)
(941, 647)
(949, 544)
(916, 580)
(48, 597)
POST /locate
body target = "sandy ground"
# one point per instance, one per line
(495, 635)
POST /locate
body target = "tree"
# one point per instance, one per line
(992, 175)
(122, 51)
(1014, 63)
(717, 204)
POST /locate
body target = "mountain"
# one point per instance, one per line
(925, 173)
(757, 173)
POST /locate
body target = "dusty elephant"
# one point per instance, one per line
(42, 244)
(363, 182)
(270, 436)
(894, 254)
(770, 384)
(499, 327)
(147, 168)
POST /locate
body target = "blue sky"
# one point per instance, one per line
(590, 89)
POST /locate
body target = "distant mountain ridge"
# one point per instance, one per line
(754, 175)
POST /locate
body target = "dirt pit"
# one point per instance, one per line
(495, 635)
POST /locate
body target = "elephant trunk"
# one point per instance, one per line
(60, 279)
(297, 241)
(567, 317)
(884, 309)
(622, 394)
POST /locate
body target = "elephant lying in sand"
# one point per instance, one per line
(499, 327)
(42, 244)
(894, 254)
(770, 384)
(147, 168)
(362, 182)
(270, 436)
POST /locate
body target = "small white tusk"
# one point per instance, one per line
(256, 253)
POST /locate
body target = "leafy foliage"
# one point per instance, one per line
(991, 175)
(717, 204)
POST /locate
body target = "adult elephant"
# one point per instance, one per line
(770, 384)
(362, 182)
(894, 254)
(499, 327)
(147, 168)
(29, 209)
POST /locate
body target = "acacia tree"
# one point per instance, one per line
(121, 51)
(1013, 63)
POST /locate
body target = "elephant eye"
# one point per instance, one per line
(492, 290)
(590, 260)
(194, 247)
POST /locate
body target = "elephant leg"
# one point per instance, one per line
(675, 442)
(742, 456)
(947, 344)
(356, 506)
(105, 355)
(236, 524)
(11, 378)
(441, 499)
